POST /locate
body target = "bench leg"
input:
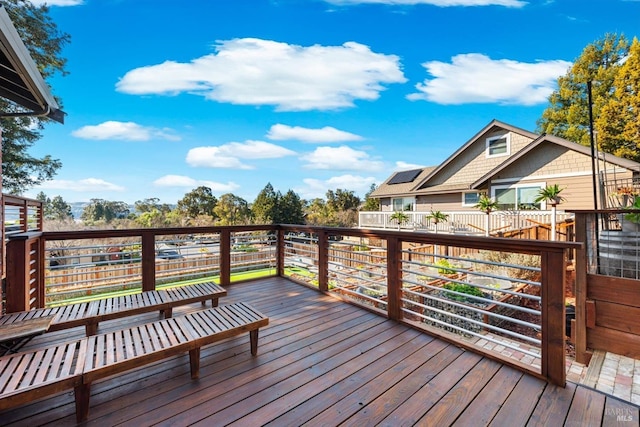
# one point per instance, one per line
(253, 337)
(82, 393)
(167, 312)
(214, 302)
(194, 361)
(91, 328)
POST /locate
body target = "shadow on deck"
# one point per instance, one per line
(325, 362)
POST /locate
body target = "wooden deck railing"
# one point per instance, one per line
(395, 274)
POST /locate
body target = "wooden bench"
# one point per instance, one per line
(58, 368)
(90, 314)
(25, 377)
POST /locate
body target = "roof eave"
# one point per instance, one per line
(40, 102)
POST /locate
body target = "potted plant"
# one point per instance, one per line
(631, 220)
(487, 205)
(437, 217)
(400, 217)
(551, 195)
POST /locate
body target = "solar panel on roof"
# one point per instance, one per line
(404, 176)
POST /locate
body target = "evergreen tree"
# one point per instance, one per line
(265, 206)
(291, 209)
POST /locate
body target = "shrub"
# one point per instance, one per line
(462, 288)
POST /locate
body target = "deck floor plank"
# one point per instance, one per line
(321, 362)
(488, 402)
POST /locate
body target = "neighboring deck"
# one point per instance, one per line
(324, 362)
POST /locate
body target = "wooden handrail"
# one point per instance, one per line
(552, 253)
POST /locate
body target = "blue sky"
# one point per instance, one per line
(310, 95)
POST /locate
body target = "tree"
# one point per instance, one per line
(265, 206)
(371, 204)
(21, 170)
(290, 209)
(342, 200)
(55, 209)
(199, 201)
(618, 123)
(104, 210)
(232, 210)
(150, 205)
(318, 213)
(567, 115)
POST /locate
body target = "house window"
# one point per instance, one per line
(403, 204)
(470, 199)
(518, 197)
(498, 146)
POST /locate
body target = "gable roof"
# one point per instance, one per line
(494, 124)
(20, 80)
(610, 158)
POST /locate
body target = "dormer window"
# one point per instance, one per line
(498, 146)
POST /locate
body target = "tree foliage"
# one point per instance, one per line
(104, 210)
(342, 200)
(265, 206)
(232, 210)
(370, 203)
(45, 42)
(618, 123)
(199, 201)
(290, 209)
(567, 115)
(55, 209)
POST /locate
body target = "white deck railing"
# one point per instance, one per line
(462, 222)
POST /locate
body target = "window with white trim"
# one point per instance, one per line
(402, 203)
(497, 146)
(518, 197)
(470, 199)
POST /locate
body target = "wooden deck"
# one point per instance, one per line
(323, 362)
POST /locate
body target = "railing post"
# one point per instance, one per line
(280, 252)
(23, 273)
(553, 316)
(225, 257)
(148, 261)
(394, 279)
(581, 289)
(323, 260)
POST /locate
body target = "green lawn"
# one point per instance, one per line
(235, 277)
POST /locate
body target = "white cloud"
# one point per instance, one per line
(83, 185)
(340, 158)
(326, 134)
(252, 71)
(476, 78)
(185, 181)
(228, 155)
(125, 131)
(440, 3)
(404, 166)
(318, 188)
(57, 2)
